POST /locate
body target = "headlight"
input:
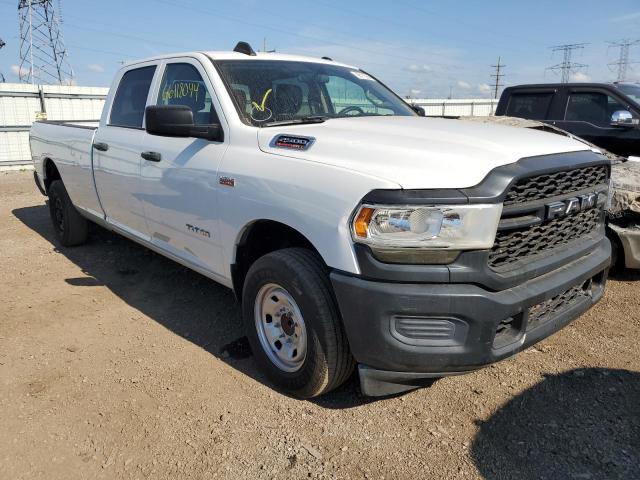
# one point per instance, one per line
(426, 228)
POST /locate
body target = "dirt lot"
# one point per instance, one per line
(117, 363)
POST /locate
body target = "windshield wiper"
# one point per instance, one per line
(298, 121)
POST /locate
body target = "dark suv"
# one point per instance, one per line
(605, 114)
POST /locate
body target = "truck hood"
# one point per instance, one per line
(417, 152)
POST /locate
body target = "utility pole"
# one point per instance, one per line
(43, 56)
(623, 63)
(498, 77)
(264, 46)
(567, 67)
(2, 44)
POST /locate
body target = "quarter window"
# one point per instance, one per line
(131, 98)
(182, 84)
(532, 106)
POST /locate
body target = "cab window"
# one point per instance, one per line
(182, 84)
(348, 96)
(592, 107)
(131, 98)
(272, 91)
(532, 106)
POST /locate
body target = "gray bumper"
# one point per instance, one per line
(630, 240)
(402, 334)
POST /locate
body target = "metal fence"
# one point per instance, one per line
(473, 107)
(21, 104)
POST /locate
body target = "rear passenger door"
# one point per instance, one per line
(116, 152)
(588, 114)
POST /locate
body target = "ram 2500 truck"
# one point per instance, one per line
(354, 230)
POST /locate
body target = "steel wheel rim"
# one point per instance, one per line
(281, 329)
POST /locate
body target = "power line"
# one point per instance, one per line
(479, 27)
(623, 63)
(269, 26)
(567, 67)
(497, 77)
(43, 56)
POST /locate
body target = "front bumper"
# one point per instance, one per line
(404, 333)
(36, 179)
(630, 240)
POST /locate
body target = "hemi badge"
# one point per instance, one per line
(227, 181)
(292, 142)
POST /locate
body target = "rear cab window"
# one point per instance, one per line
(530, 105)
(130, 99)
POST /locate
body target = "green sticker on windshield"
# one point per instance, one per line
(259, 112)
(179, 90)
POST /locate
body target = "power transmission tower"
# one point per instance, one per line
(497, 77)
(43, 56)
(2, 44)
(623, 63)
(567, 67)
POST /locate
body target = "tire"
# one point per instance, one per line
(617, 252)
(298, 280)
(71, 228)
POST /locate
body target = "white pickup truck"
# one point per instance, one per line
(354, 230)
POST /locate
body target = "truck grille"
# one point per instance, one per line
(512, 246)
(557, 183)
(547, 310)
(525, 196)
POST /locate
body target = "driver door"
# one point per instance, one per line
(588, 115)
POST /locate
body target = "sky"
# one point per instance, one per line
(422, 49)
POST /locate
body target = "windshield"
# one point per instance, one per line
(272, 91)
(632, 91)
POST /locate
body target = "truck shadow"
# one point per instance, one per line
(183, 301)
(625, 274)
(582, 424)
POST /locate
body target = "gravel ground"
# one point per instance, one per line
(117, 363)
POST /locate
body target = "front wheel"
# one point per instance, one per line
(293, 323)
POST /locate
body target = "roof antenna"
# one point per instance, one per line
(327, 58)
(244, 47)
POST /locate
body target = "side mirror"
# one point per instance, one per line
(177, 121)
(623, 118)
(418, 109)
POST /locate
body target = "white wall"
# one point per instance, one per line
(19, 104)
(452, 107)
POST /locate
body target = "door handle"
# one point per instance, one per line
(103, 147)
(151, 156)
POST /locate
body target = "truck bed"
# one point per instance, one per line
(69, 145)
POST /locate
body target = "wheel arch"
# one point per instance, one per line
(259, 238)
(50, 173)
